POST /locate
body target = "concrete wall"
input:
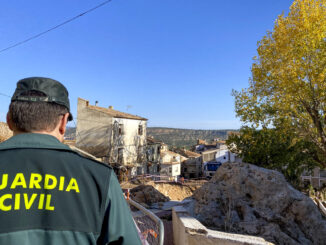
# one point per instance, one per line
(167, 157)
(209, 155)
(133, 145)
(189, 231)
(172, 170)
(224, 155)
(153, 152)
(93, 130)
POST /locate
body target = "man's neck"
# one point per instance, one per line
(53, 133)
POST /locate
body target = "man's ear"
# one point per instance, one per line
(63, 124)
(9, 122)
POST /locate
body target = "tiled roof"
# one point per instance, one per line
(114, 113)
(210, 151)
(221, 142)
(173, 161)
(153, 141)
(190, 153)
(170, 163)
(169, 153)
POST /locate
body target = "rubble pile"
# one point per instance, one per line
(147, 195)
(175, 191)
(247, 199)
(5, 132)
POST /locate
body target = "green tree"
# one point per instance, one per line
(287, 89)
(271, 148)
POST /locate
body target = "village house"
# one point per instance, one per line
(217, 151)
(225, 155)
(202, 146)
(153, 155)
(170, 163)
(213, 155)
(118, 138)
(209, 155)
(317, 178)
(192, 166)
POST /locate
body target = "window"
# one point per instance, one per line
(140, 154)
(176, 170)
(323, 173)
(170, 170)
(121, 131)
(139, 170)
(140, 130)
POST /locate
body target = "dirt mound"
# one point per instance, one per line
(174, 191)
(5, 132)
(244, 198)
(147, 194)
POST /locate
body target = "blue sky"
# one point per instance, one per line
(174, 62)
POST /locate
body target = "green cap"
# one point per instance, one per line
(55, 92)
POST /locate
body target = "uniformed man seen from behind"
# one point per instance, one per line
(49, 194)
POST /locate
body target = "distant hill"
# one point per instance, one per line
(185, 137)
(175, 136)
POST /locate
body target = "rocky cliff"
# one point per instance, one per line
(5, 132)
(244, 198)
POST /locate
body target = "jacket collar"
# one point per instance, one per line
(32, 140)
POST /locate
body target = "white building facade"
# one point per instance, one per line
(118, 138)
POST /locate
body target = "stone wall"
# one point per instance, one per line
(188, 230)
(93, 130)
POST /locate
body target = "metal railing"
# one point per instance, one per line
(145, 224)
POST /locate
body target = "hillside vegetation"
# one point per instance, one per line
(185, 137)
(175, 136)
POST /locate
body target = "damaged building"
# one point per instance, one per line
(170, 163)
(192, 166)
(118, 138)
(153, 155)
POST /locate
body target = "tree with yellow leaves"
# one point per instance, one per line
(287, 89)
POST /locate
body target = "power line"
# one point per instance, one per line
(55, 27)
(5, 95)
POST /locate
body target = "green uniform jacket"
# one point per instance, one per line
(51, 195)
